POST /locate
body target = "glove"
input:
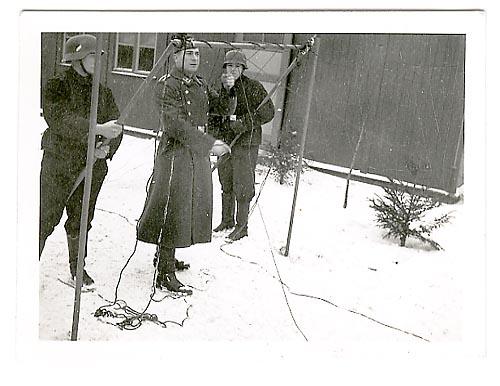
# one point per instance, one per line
(220, 148)
(109, 129)
(101, 151)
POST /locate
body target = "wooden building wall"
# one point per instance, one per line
(406, 91)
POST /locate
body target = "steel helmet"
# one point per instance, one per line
(236, 57)
(79, 46)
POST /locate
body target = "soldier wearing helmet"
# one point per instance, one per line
(237, 172)
(66, 109)
(178, 208)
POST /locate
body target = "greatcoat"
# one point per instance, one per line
(178, 208)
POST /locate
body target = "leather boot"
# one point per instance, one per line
(73, 259)
(227, 212)
(241, 229)
(179, 264)
(166, 278)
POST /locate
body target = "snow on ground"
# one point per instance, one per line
(361, 288)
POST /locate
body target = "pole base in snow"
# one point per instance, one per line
(71, 283)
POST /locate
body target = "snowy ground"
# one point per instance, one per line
(363, 290)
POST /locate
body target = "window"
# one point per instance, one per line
(135, 52)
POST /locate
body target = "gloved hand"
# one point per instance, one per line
(220, 148)
(110, 129)
(101, 151)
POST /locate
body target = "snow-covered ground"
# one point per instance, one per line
(362, 290)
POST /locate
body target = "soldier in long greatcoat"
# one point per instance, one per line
(178, 208)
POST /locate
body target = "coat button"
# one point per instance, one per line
(187, 91)
(189, 113)
(188, 102)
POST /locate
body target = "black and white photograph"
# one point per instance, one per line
(277, 181)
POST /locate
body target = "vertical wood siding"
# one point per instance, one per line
(406, 91)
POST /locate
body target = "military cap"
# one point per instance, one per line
(182, 42)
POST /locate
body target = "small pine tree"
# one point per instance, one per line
(283, 159)
(402, 214)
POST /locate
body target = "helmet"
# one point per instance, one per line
(236, 57)
(182, 42)
(79, 46)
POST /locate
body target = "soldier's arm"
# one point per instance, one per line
(112, 113)
(254, 118)
(266, 112)
(174, 120)
(222, 103)
(61, 120)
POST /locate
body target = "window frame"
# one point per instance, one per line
(134, 71)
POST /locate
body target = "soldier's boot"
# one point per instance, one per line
(227, 212)
(241, 228)
(179, 264)
(166, 278)
(73, 259)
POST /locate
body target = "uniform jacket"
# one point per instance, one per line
(66, 108)
(178, 206)
(250, 93)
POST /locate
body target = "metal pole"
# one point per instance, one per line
(302, 143)
(277, 47)
(86, 189)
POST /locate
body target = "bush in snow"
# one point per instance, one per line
(283, 159)
(402, 214)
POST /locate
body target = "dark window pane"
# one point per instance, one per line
(146, 59)
(125, 56)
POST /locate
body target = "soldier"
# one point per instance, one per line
(178, 208)
(66, 108)
(237, 172)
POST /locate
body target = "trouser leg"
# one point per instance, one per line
(74, 212)
(56, 181)
(225, 172)
(75, 202)
(243, 207)
(244, 163)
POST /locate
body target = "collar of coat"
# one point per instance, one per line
(188, 81)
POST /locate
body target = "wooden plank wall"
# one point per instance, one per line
(406, 91)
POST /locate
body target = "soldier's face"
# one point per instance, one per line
(88, 63)
(234, 69)
(187, 61)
